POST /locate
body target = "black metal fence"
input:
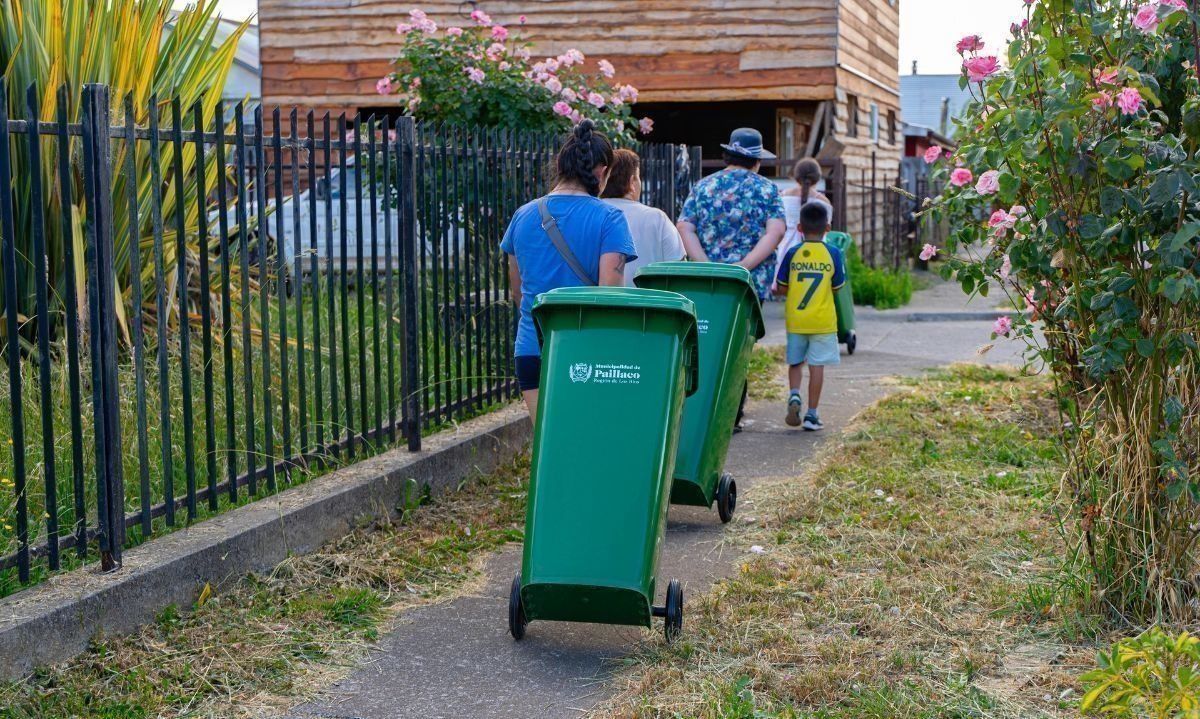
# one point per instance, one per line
(887, 233)
(196, 315)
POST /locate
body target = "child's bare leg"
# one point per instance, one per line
(816, 380)
(531, 400)
(795, 377)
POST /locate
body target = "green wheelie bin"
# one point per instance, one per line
(729, 321)
(616, 366)
(843, 299)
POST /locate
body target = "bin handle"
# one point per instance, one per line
(692, 362)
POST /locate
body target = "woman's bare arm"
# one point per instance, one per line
(612, 269)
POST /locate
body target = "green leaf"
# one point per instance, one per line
(1145, 347)
(1121, 284)
(1185, 235)
(1164, 189)
(1173, 289)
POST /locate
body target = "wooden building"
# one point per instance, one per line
(817, 77)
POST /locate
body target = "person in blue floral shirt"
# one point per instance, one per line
(736, 215)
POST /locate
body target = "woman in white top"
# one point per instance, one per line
(654, 235)
(807, 174)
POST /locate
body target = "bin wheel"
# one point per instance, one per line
(851, 342)
(516, 611)
(726, 497)
(674, 611)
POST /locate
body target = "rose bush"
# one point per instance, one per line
(1085, 147)
(485, 75)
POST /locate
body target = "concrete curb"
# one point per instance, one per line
(56, 620)
(984, 316)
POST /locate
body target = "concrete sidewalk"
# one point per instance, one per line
(456, 660)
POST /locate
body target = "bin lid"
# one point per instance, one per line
(840, 240)
(711, 271)
(623, 297)
(626, 298)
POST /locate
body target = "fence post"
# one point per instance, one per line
(410, 371)
(110, 490)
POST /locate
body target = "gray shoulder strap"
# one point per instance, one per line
(550, 225)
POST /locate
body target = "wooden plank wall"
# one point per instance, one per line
(868, 47)
(329, 53)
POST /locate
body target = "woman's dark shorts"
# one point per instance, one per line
(529, 372)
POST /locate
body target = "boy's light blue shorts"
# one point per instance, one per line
(816, 350)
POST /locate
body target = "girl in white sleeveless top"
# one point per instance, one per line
(807, 173)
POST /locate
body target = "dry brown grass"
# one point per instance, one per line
(901, 577)
(268, 642)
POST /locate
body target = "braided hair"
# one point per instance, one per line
(581, 154)
(807, 172)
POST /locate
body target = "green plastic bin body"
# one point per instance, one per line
(616, 366)
(729, 321)
(843, 299)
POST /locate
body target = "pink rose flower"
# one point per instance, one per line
(961, 177)
(404, 28)
(475, 75)
(1003, 326)
(496, 51)
(970, 43)
(989, 183)
(576, 116)
(562, 108)
(1146, 18)
(933, 154)
(551, 64)
(504, 66)
(571, 57)
(928, 252)
(629, 93)
(481, 18)
(412, 103)
(569, 95)
(595, 99)
(553, 84)
(1173, 4)
(1103, 101)
(1018, 211)
(1107, 75)
(499, 32)
(607, 69)
(522, 19)
(522, 53)
(1130, 100)
(385, 86)
(1005, 268)
(645, 126)
(1001, 222)
(981, 68)
(454, 31)
(417, 14)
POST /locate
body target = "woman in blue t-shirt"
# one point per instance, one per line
(594, 232)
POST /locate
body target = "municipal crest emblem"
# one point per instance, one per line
(581, 372)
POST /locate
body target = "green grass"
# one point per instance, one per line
(268, 641)
(894, 575)
(455, 363)
(883, 289)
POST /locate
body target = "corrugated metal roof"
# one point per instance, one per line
(921, 100)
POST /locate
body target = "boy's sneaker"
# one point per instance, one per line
(795, 406)
(812, 422)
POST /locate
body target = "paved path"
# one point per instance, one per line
(456, 660)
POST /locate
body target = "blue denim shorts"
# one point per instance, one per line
(815, 350)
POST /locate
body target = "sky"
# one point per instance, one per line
(928, 28)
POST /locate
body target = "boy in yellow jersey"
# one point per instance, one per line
(809, 274)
